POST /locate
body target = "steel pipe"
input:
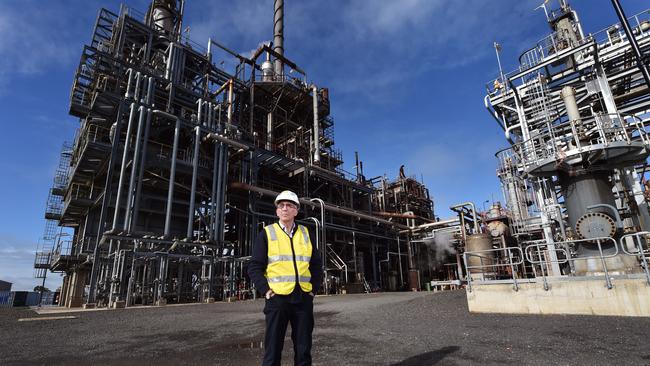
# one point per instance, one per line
(195, 170)
(278, 35)
(316, 129)
(172, 174)
(477, 230)
(633, 43)
(118, 201)
(134, 170)
(331, 208)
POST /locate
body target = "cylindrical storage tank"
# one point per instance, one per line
(583, 190)
(580, 192)
(481, 260)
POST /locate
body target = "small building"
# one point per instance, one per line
(5, 286)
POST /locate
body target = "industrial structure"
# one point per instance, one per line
(572, 237)
(176, 162)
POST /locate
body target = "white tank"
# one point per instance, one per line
(267, 71)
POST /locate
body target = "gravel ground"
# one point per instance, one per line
(379, 329)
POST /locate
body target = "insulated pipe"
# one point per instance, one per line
(633, 43)
(278, 35)
(327, 207)
(118, 201)
(568, 95)
(324, 253)
(143, 162)
(209, 52)
(269, 130)
(210, 111)
(134, 169)
(169, 62)
(314, 91)
(229, 112)
(105, 202)
(213, 217)
(136, 205)
(195, 170)
(474, 217)
(403, 216)
(222, 190)
(129, 72)
(199, 113)
(172, 174)
(136, 93)
(228, 141)
(176, 67)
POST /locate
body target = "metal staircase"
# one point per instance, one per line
(53, 212)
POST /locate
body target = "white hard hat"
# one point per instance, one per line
(287, 196)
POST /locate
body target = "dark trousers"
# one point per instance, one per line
(297, 309)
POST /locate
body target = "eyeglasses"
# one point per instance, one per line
(286, 205)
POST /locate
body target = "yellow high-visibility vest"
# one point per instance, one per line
(285, 264)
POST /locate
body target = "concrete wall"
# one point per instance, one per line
(628, 297)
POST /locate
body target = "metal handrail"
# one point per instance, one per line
(641, 253)
(601, 37)
(592, 129)
(510, 263)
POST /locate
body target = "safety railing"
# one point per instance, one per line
(164, 152)
(640, 24)
(511, 263)
(608, 36)
(90, 133)
(577, 135)
(638, 239)
(539, 255)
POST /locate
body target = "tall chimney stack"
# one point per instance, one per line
(278, 34)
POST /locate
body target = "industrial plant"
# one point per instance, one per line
(572, 237)
(177, 159)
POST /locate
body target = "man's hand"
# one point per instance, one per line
(269, 294)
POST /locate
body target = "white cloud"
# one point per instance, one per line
(17, 264)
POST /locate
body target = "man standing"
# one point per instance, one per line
(287, 269)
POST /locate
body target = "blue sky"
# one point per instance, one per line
(406, 78)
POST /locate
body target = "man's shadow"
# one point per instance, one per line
(428, 358)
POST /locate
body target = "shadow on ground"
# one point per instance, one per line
(428, 358)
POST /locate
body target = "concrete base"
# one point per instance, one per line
(89, 306)
(628, 297)
(119, 304)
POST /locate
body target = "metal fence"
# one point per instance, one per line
(6, 299)
(26, 298)
(539, 255)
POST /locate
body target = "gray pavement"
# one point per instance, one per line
(380, 329)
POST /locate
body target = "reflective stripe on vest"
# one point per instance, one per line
(300, 258)
(305, 236)
(272, 235)
(289, 279)
(283, 261)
